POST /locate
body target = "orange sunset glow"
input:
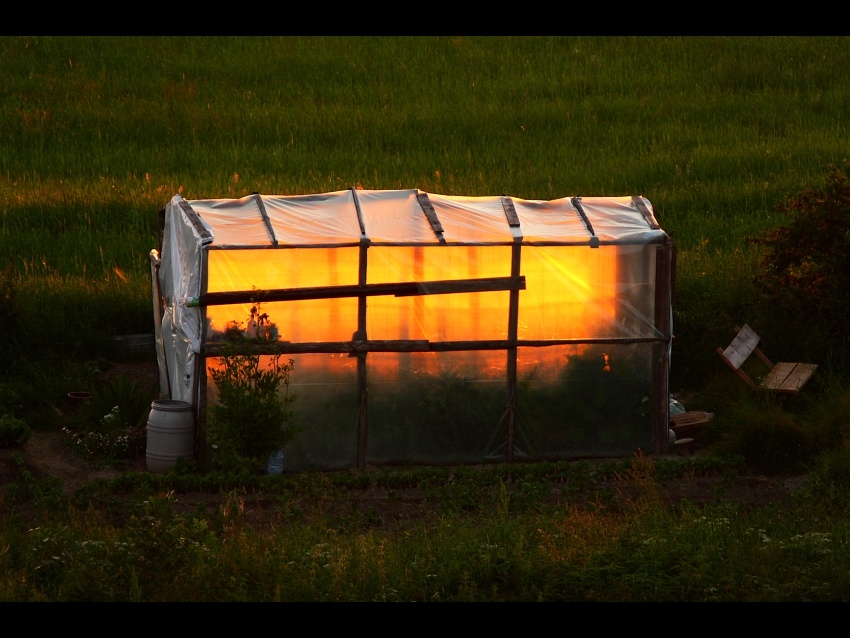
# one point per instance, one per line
(570, 294)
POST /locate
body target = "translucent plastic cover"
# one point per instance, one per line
(402, 217)
(588, 269)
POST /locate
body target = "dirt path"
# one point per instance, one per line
(47, 454)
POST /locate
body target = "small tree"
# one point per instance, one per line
(250, 421)
(807, 263)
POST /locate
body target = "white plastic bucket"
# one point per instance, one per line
(170, 434)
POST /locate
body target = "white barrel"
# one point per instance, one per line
(170, 434)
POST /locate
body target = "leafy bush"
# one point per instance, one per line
(807, 261)
(250, 420)
(13, 431)
(10, 400)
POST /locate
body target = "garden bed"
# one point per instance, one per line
(48, 455)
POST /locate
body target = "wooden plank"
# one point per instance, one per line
(359, 213)
(594, 240)
(742, 346)
(788, 377)
(649, 217)
(691, 418)
(266, 221)
(361, 335)
(761, 355)
(200, 380)
(465, 285)
(400, 289)
(690, 424)
(405, 345)
(776, 378)
(513, 332)
(510, 211)
(193, 217)
(660, 397)
(431, 215)
(799, 376)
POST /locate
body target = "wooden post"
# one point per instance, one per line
(362, 412)
(513, 320)
(661, 370)
(201, 372)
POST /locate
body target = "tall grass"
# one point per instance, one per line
(623, 546)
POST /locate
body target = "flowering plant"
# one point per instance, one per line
(112, 425)
(113, 440)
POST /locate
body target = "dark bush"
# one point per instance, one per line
(806, 276)
(770, 439)
(10, 316)
(775, 447)
(13, 432)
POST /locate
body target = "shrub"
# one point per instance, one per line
(10, 316)
(807, 261)
(10, 400)
(250, 419)
(13, 431)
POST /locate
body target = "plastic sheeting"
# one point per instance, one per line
(396, 217)
(590, 271)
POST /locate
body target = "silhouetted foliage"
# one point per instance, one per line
(807, 263)
(10, 319)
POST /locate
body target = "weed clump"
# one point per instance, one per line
(769, 439)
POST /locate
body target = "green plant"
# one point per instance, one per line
(770, 439)
(250, 420)
(829, 477)
(807, 261)
(112, 424)
(13, 431)
(9, 311)
(10, 400)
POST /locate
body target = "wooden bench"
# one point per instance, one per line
(785, 378)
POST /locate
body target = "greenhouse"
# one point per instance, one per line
(427, 328)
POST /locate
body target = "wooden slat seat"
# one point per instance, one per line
(783, 377)
(690, 424)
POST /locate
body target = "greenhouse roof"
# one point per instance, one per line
(414, 217)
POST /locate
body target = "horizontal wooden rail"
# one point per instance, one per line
(215, 348)
(405, 289)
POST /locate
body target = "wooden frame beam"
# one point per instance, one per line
(403, 289)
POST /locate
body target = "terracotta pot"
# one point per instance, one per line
(76, 399)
